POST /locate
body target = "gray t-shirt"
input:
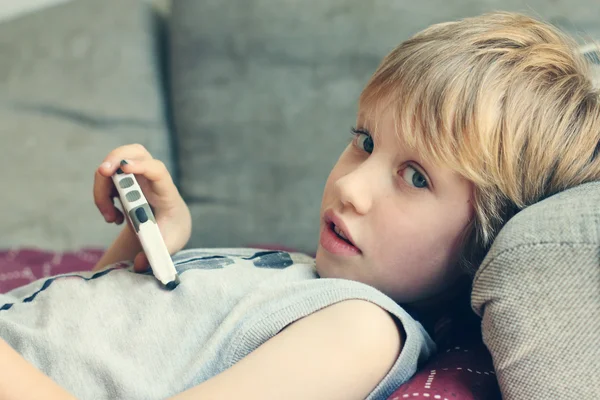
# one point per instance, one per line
(116, 334)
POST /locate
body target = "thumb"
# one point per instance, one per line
(140, 262)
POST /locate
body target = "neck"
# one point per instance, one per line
(429, 311)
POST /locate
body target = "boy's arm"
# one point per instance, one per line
(125, 247)
(340, 352)
(20, 380)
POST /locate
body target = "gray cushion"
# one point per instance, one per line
(538, 291)
(264, 94)
(76, 81)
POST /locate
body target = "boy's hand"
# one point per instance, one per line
(171, 213)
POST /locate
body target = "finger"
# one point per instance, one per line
(155, 171)
(103, 196)
(140, 262)
(104, 190)
(112, 161)
(119, 217)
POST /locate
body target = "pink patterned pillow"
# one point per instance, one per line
(456, 373)
(20, 267)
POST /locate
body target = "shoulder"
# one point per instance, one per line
(366, 318)
(341, 351)
(353, 330)
(355, 323)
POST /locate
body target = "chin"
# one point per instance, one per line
(319, 262)
(333, 269)
(326, 268)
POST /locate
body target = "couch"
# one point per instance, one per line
(248, 103)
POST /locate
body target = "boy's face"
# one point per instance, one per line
(404, 218)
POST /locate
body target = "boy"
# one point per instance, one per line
(460, 127)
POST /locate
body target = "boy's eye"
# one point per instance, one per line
(363, 140)
(414, 177)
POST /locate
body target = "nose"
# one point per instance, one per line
(356, 189)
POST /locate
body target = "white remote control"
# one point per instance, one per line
(137, 209)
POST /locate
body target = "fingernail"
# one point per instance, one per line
(105, 165)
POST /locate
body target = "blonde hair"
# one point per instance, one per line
(504, 100)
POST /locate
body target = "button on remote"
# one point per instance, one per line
(133, 195)
(126, 182)
(141, 215)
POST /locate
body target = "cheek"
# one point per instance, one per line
(416, 271)
(403, 243)
(417, 254)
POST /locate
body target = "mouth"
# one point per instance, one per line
(340, 233)
(336, 238)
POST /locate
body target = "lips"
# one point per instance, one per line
(335, 236)
(340, 233)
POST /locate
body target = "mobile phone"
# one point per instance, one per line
(137, 209)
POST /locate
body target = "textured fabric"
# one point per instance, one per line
(115, 334)
(264, 93)
(76, 81)
(538, 292)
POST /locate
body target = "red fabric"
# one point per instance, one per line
(458, 372)
(20, 267)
